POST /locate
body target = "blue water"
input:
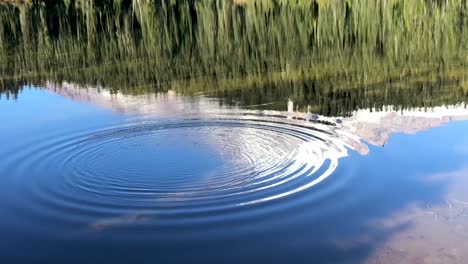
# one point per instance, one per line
(86, 182)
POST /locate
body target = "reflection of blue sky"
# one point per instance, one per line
(394, 176)
(378, 186)
(363, 189)
(39, 110)
(40, 115)
(399, 169)
(430, 151)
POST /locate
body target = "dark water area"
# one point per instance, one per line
(234, 131)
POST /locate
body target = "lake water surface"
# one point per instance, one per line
(234, 132)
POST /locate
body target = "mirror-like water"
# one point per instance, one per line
(233, 131)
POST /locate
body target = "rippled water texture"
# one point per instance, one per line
(165, 167)
(152, 176)
(157, 176)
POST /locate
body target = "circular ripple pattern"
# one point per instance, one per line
(186, 165)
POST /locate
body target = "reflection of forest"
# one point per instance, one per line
(322, 98)
(335, 56)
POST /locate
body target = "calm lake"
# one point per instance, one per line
(234, 131)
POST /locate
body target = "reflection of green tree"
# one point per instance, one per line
(333, 55)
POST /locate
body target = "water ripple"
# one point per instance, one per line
(178, 165)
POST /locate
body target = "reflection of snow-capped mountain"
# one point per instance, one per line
(377, 127)
(373, 126)
(160, 104)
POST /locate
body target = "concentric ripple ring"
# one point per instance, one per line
(196, 163)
